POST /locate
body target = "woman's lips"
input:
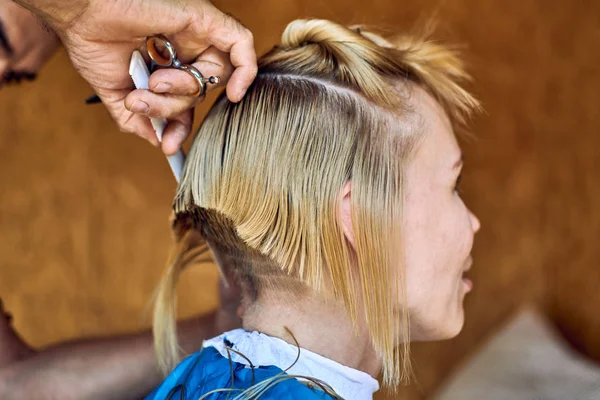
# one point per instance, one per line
(468, 283)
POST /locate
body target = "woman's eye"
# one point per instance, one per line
(457, 184)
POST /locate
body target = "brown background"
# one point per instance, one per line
(84, 209)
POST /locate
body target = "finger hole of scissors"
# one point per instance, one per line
(161, 51)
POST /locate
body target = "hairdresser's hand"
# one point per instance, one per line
(25, 44)
(100, 35)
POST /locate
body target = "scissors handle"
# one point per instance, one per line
(171, 61)
(156, 55)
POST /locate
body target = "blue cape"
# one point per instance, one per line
(208, 370)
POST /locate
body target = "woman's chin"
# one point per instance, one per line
(444, 330)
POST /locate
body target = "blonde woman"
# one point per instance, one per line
(330, 194)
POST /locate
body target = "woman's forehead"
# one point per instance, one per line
(438, 147)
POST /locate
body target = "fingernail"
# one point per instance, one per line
(140, 106)
(163, 87)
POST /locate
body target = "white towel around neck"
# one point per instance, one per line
(265, 350)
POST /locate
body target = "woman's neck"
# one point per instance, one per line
(323, 327)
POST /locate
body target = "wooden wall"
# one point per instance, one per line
(84, 209)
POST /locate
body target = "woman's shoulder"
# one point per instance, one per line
(208, 375)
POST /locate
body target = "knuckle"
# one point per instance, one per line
(124, 123)
(253, 71)
(248, 35)
(171, 108)
(158, 111)
(126, 129)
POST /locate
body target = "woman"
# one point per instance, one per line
(330, 194)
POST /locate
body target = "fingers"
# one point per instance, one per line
(139, 125)
(212, 62)
(179, 123)
(171, 97)
(149, 104)
(230, 36)
(177, 131)
(172, 89)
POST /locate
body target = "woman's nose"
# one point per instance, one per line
(475, 224)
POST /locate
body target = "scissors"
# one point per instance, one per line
(163, 54)
(158, 46)
(171, 60)
(138, 70)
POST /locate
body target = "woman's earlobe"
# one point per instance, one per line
(346, 217)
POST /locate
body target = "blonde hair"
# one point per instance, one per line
(262, 181)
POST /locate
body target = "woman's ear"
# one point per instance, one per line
(346, 217)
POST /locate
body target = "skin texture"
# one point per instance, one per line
(438, 232)
(438, 229)
(118, 367)
(100, 35)
(28, 43)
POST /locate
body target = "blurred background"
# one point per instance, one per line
(84, 208)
